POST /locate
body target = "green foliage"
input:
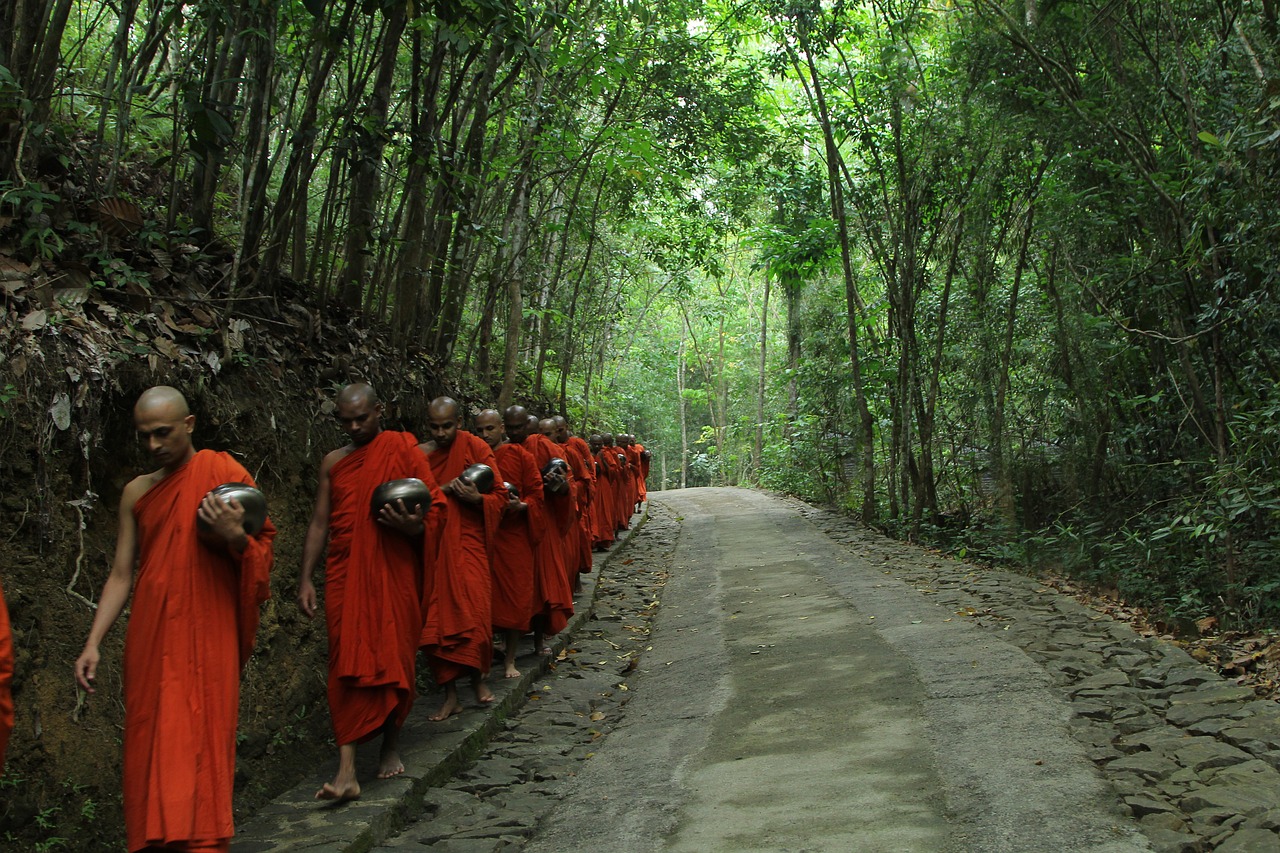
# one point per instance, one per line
(33, 205)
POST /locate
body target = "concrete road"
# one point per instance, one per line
(799, 698)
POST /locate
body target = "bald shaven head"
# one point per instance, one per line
(442, 421)
(164, 423)
(562, 429)
(489, 426)
(359, 413)
(516, 421)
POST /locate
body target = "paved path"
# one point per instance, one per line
(815, 703)
(807, 685)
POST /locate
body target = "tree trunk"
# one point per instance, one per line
(366, 163)
(762, 384)
(853, 300)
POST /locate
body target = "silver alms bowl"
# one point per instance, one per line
(511, 489)
(410, 490)
(253, 501)
(480, 476)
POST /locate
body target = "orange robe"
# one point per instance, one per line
(373, 589)
(637, 477)
(623, 484)
(579, 456)
(642, 480)
(518, 534)
(191, 629)
(6, 679)
(606, 504)
(577, 492)
(553, 593)
(458, 634)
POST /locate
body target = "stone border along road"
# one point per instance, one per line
(433, 752)
(1194, 757)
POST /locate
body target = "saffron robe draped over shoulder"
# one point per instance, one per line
(637, 477)
(553, 592)
(577, 546)
(584, 477)
(458, 634)
(642, 479)
(191, 629)
(606, 520)
(6, 679)
(623, 486)
(373, 589)
(513, 558)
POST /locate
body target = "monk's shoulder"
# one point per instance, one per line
(334, 456)
(139, 486)
(227, 467)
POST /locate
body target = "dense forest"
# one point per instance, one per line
(1018, 256)
(999, 275)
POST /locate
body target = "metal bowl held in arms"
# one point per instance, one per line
(646, 455)
(253, 501)
(480, 476)
(622, 459)
(511, 489)
(556, 465)
(410, 490)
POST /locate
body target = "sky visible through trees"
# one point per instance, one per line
(994, 273)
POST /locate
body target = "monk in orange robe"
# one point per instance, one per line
(622, 483)
(191, 630)
(606, 505)
(522, 527)
(632, 450)
(579, 457)
(553, 595)
(643, 480)
(373, 583)
(6, 680)
(570, 543)
(458, 635)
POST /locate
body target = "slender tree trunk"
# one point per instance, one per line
(31, 35)
(853, 301)
(763, 377)
(684, 416)
(366, 163)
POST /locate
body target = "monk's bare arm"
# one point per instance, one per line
(115, 592)
(317, 536)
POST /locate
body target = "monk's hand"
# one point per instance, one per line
(87, 668)
(307, 597)
(555, 482)
(466, 492)
(399, 517)
(225, 519)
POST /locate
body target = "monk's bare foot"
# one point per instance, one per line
(339, 794)
(389, 764)
(483, 694)
(450, 707)
(511, 671)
